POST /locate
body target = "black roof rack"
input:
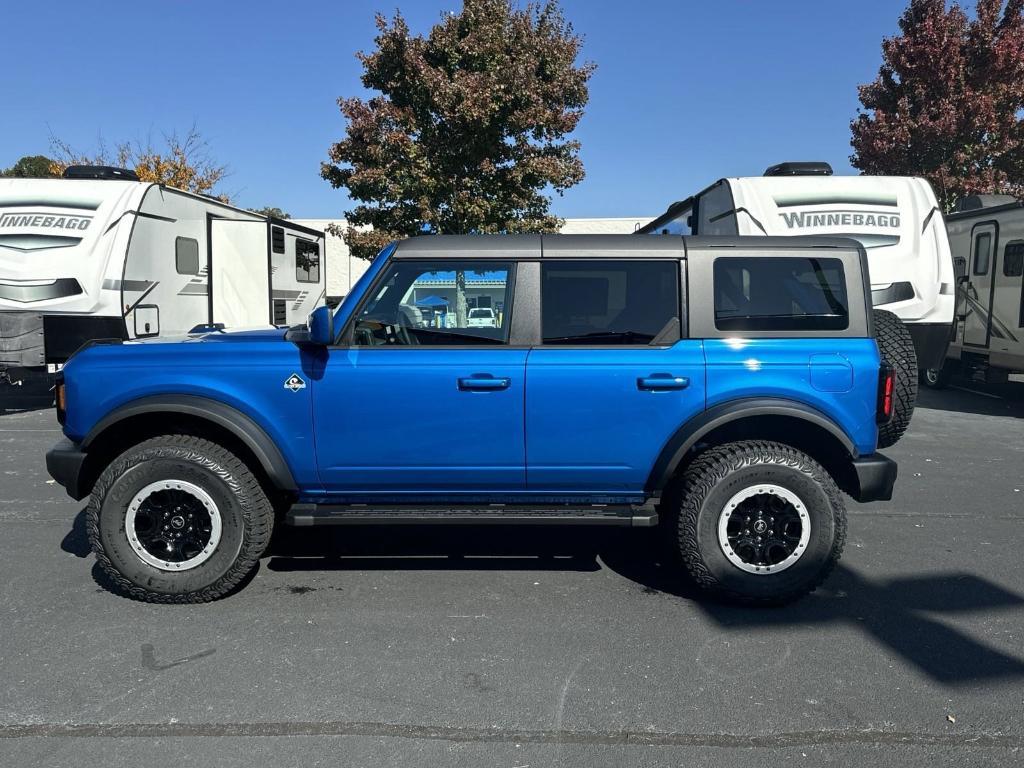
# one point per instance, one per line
(99, 172)
(800, 168)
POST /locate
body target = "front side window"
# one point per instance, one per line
(186, 256)
(307, 261)
(454, 303)
(768, 293)
(982, 253)
(610, 302)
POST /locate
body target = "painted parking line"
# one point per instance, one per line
(976, 392)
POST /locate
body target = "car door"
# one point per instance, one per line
(612, 379)
(415, 402)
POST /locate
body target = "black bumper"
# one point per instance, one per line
(64, 463)
(875, 478)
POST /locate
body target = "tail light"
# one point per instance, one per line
(60, 398)
(886, 393)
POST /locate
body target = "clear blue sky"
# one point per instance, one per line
(685, 92)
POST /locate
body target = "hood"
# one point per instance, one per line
(240, 335)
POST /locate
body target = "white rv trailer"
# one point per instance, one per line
(896, 219)
(108, 256)
(986, 235)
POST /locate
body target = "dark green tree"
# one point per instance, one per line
(273, 212)
(33, 167)
(469, 130)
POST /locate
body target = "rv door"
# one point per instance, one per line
(977, 290)
(239, 273)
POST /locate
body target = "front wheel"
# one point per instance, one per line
(759, 522)
(178, 519)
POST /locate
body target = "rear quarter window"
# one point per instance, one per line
(780, 293)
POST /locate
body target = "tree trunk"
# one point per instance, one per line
(460, 299)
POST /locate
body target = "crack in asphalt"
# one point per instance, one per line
(823, 737)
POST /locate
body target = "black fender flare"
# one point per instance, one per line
(252, 435)
(690, 433)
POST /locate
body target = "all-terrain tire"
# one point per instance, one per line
(717, 476)
(897, 348)
(246, 519)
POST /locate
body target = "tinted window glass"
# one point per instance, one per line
(438, 303)
(186, 256)
(1013, 259)
(277, 239)
(307, 261)
(982, 253)
(610, 302)
(780, 294)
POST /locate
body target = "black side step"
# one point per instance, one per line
(627, 515)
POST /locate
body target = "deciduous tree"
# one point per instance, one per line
(948, 100)
(469, 130)
(183, 162)
(32, 167)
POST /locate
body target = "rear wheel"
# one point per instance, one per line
(759, 522)
(178, 519)
(897, 348)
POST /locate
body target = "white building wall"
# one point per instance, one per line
(343, 269)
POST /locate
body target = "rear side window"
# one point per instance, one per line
(770, 293)
(610, 302)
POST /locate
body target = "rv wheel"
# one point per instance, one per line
(897, 348)
(936, 378)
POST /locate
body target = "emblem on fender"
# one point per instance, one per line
(294, 383)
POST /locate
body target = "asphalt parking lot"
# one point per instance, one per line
(535, 647)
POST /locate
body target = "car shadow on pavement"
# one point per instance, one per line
(412, 548)
(76, 541)
(964, 396)
(904, 614)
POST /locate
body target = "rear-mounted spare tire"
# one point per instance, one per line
(897, 348)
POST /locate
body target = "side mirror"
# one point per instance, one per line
(321, 327)
(318, 330)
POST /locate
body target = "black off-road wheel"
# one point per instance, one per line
(897, 348)
(759, 522)
(178, 519)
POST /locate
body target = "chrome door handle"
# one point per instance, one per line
(657, 381)
(484, 383)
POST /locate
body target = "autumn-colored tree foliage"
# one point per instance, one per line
(183, 163)
(468, 132)
(947, 101)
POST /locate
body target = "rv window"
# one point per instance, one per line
(769, 293)
(277, 239)
(1013, 259)
(307, 261)
(186, 256)
(982, 253)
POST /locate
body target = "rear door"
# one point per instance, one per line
(977, 291)
(613, 378)
(239, 273)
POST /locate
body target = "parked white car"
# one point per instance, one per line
(482, 317)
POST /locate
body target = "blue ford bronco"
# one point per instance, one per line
(727, 390)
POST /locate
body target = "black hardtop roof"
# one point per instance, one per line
(596, 246)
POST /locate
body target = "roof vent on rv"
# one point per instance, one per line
(977, 202)
(800, 169)
(99, 172)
